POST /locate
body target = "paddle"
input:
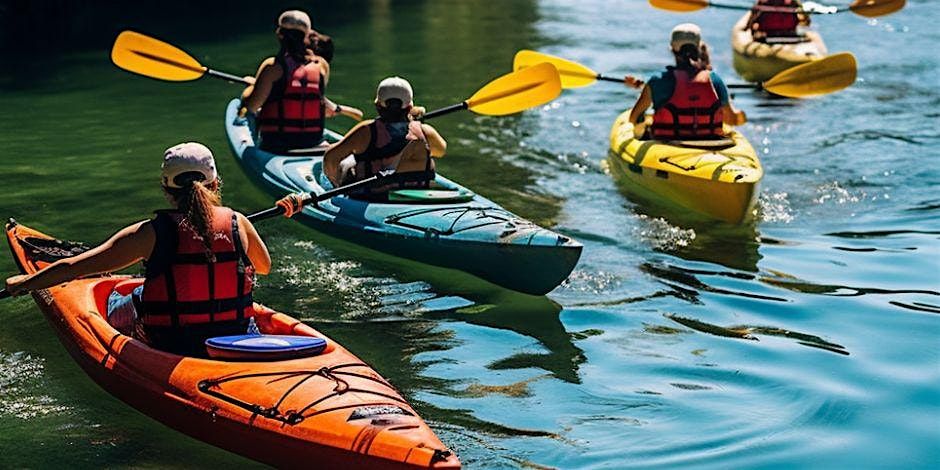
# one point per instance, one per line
(313, 197)
(573, 74)
(144, 55)
(867, 8)
(817, 77)
(511, 93)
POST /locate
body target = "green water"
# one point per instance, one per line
(630, 362)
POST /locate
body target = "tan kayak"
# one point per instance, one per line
(758, 61)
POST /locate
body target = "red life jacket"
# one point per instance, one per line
(693, 111)
(776, 23)
(295, 106)
(182, 286)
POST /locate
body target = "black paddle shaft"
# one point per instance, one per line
(278, 210)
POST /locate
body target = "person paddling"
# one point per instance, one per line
(200, 259)
(772, 19)
(394, 140)
(689, 100)
(288, 91)
(322, 46)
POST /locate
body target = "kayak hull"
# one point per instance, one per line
(474, 235)
(235, 405)
(758, 62)
(720, 182)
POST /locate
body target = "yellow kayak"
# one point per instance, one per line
(716, 178)
(758, 62)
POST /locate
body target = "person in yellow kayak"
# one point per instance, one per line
(200, 260)
(287, 93)
(776, 19)
(395, 140)
(690, 101)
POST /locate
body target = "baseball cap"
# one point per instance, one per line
(394, 88)
(686, 33)
(295, 19)
(189, 157)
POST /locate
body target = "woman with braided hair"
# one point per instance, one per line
(200, 259)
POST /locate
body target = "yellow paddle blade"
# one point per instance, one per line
(679, 5)
(819, 77)
(153, 58)
(573, 74)
(517, 91)
(873, 8)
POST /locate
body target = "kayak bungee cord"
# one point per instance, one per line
(293, 417)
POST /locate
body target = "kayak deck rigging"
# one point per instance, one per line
(493, 216)
(214, 387)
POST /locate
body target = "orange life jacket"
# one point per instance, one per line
(693, 111)
(183, 286)
(777, 23)
(295, 107)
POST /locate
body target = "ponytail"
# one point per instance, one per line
(292, 43)
(196, 200)
(692, 58)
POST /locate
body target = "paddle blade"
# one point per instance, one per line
(573, 74)
(819, 77)
(679, 5)
(873, 8)
(517, 91)
(144, 55)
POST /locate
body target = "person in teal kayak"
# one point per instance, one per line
(322, 46)
(395, 140)
(772, 19)
(288, 93)
(200, 259)
(690, 101)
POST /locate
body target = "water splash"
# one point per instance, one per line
(662, 235)
(834, 193)
(20, 375)
(775, 207)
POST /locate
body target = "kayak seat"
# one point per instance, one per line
(257, 347)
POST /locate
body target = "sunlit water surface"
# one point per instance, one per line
(810, 338)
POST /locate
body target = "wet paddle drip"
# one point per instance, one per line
(294, 417)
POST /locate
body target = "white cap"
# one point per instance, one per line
(295, 19)
(686, 33)
(394, 88)
(189, 157)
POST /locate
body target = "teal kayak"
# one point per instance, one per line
(448, 226)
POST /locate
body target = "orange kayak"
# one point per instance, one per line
(325, 411)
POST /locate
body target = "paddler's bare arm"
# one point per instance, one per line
(255, 95)
(355, 141)
(645, 100)
(254, 246)
(437, 143)
(128, 246)
(732, 116)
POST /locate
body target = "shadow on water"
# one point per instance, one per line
(393, 347)
(749, 332)
(536, 317)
